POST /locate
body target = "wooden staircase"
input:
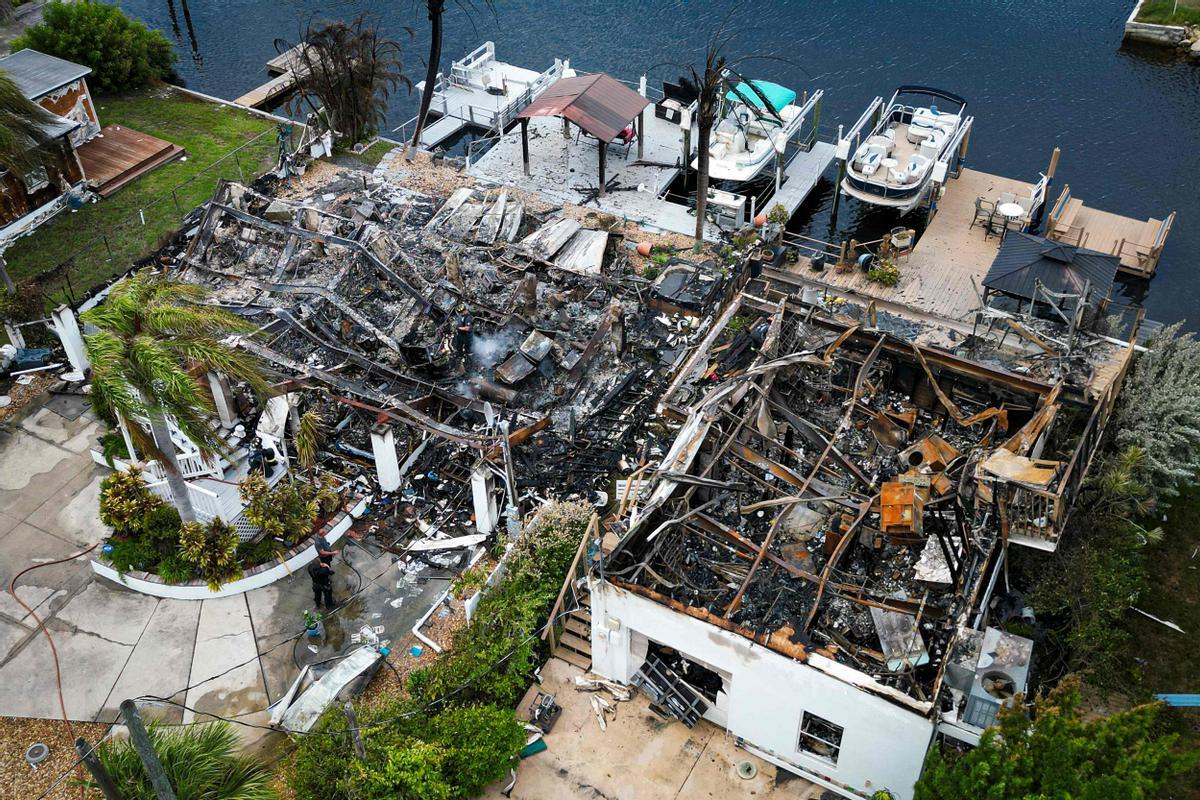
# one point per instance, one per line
(569, 633)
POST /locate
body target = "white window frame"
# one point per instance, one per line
(805, 735)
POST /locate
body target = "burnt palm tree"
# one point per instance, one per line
(24, 142)
(709, 81)
(347, 73)
(154, 341)
(436, 9)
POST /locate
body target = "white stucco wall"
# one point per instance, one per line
(883, 744)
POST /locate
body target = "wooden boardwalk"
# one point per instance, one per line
(120, 155)
(288, 68)
(940, 275)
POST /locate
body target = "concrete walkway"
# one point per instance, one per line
(237, 654)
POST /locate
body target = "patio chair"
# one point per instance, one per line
(984, 209)
(996, 225)
(1006, 197)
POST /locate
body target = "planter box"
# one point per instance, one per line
(255, 578)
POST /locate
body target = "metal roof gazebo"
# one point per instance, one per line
(600, 105)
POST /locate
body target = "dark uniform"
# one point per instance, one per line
(464, 323)
(322, 583)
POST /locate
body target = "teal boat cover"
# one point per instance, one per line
(779, 96)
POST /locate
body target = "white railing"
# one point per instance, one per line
(460, 70)
(209, 504)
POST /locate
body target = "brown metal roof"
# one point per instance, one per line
(599, 104)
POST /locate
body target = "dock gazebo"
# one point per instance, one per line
(601, 106)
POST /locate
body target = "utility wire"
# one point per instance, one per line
(537, 634)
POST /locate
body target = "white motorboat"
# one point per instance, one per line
(757, 120)
(895, 164)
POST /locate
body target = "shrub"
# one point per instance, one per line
(480, 743)
(1053, 752)
(201, 761)
(131, 554)
(112, 446)
(289, 509)
(1158, 409)
(123, 53)
(173, 569)
(125, 501)
(161, 526)
(412, 770)
(251, 554)
(212, 550)
(885, 273)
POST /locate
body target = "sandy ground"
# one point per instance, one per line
(18, 781)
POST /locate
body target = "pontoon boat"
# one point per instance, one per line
(894, 165)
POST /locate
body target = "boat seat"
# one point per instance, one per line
(869, 165)
(886, 142)
(917, 164)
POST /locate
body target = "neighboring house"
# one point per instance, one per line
(58, 86)
(28, 198)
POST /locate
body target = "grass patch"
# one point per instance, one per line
(1159, 12)
(369, 159)
(106, 238)
(1167, 658)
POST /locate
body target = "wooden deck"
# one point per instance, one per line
(120, 155)
(287, 68)
(1139, 243)
(940, 275)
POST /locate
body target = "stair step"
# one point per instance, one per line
(576, 643)
(578, 627)
(571, 657)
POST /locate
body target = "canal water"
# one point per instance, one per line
(1037, 74)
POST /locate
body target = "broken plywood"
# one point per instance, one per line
(451, 205)
(584, 253)
(514, 213)
(1019, 469)
(547, 240)
(489, 226)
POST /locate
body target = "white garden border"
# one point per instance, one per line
(256, 577)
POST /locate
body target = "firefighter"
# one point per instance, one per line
(464, 323)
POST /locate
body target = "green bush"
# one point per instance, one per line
(174, 569)
(131, 554)
(480, 743)
(125, 501)
(123, 53)
(201, 762)
(161, 525)
(471, 736)
(409, 770)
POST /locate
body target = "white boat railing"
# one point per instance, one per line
(852, 137)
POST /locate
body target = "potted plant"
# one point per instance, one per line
(312, 623)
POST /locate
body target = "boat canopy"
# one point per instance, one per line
(778, 96)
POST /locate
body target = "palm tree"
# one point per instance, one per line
(436, 9)
(23, 139)
(201, 762)
(154, 342)
(349, 71)
(709, 82)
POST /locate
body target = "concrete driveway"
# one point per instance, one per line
(236, 654)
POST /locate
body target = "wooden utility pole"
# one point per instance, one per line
(145, 750)
(360, 749)
(103, 780)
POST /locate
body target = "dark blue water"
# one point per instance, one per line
(1037, 74)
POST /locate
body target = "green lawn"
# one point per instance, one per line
(105, 238)
(1159, 12)
(1167, 658)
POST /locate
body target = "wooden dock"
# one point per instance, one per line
(480, 92)
(939, 277)
(287, 67)
(1139, 243)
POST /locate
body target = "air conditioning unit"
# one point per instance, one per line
(1001, 673)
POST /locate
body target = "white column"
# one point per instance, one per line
(387, 465)
(68, 333)
(483, 492)
(14, 335)
(222, 399)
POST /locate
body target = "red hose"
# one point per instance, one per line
(12, 589)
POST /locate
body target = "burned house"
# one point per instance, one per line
(460, 351)
(815, 565)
